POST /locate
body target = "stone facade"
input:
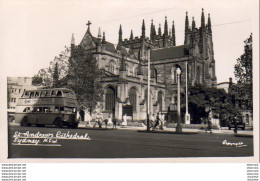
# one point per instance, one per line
(126, 66)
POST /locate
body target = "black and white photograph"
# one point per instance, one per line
(130, 80)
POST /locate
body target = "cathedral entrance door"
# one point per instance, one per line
(128, 110)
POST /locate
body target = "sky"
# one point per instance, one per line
(32, 33)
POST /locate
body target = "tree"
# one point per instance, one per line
(45, 76)
(202, 98)
(84, 79)
(243, 91)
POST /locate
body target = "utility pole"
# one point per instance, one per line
(148, 91)
(187, 115)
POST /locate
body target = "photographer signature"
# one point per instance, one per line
(237, 145)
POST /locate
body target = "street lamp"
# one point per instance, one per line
(178, 127)
(187, 115)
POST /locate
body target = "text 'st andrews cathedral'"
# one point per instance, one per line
(125, 66)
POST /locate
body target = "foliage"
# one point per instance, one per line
(201, 99)
(243, 91)
(84, 79)
(45, 76)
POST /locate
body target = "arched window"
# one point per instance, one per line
(160, 101)
(110, 99)
(112, 66)
(132, 98)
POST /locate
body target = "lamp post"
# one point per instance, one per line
(187, 115)
(178, 127)
(148, 91)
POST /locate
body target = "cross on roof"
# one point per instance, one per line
(89, 23)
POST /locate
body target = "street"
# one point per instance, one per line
(126, 143)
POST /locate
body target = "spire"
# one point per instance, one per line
(173, 34)
(166, 27)
(72, 39)
(209, 24)
(202, 19)
(99, 33)
(55, 75)
(186, 28)
(193, 24)
(104, 38)
(88, 24)
(152, 30)
(143, 29)
(131, 35)
(120, 34)
(159, 30)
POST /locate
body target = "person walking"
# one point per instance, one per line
(235, 123)
(124, 123)
(161, 121)
(100, 120)
(152, 123)
(109, 119)
(157, 121)
(114, 123)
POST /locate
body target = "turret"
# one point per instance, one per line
(99, 40)
(202, 20)
(159, 30)
(186, 28)
(165, 27)
(143, 29)
(209, 24)
(104, 38)
(120, 35)
(72, 45)
(193, 24)
(55, 75)
(131, 35)
(173, 35)
(152, 31)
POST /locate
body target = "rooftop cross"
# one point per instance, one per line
(88, 24)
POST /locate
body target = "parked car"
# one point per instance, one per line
(237, 121)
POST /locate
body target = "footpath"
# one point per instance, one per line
(241, 133)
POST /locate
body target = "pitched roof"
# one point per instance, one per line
(169, 53)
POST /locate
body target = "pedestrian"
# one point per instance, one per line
(124, 123)
(157, 121)
(87, 118)
(235, 123)
(152, 123)
(161, 121)
(114, 123)
(109, 123)
(209, 128)
(100, 120)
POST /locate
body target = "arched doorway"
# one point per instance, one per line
(132, 98)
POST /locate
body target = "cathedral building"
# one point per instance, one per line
(126, 66)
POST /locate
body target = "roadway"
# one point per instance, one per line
(129, 143)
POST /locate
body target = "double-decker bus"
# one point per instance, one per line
(56, 106)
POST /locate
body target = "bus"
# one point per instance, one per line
(40, 107)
